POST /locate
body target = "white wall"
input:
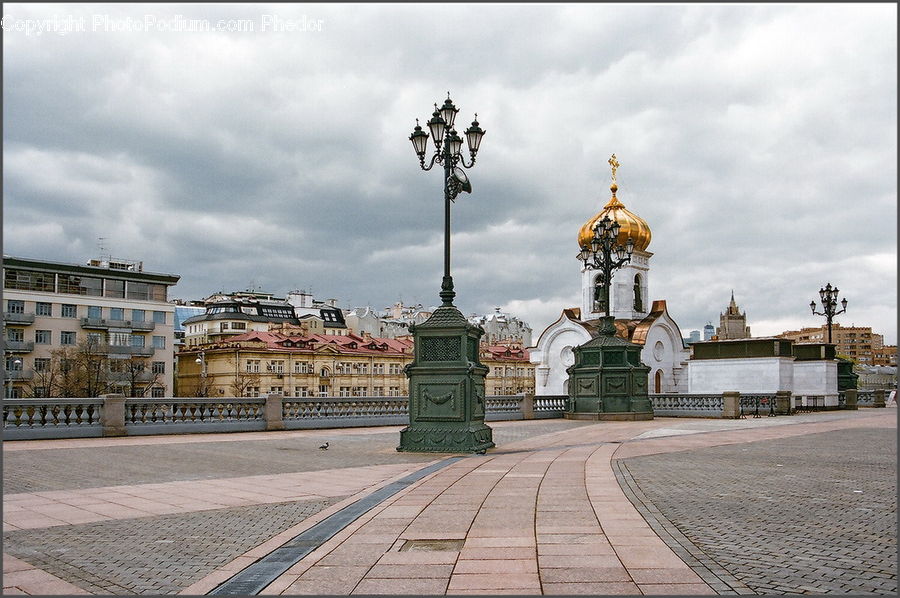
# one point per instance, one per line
(756, 374)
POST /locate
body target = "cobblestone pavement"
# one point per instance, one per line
(75, 468)
(154, 556)
(808, 514)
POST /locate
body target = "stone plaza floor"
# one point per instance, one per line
(802, 504)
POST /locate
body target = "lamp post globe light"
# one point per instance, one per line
(608, 380)
(446, 376)
(16, 367)
(828, 297)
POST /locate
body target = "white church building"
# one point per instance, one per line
(636, 318)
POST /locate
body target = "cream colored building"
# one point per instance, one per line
(122, 310)
(313, 365)
(856, 342)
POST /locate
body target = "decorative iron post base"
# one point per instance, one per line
(446, 387)
(608, 380)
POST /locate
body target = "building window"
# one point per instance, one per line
(15, 307)
(80, 285)
(13, 364)
(361, 368)
(43, 309)
(276, 366)
(323, 390)
(344, 391)
(378, 368)
(41, 364)
(94, 338)
(42, 337)
(394, 391)
(159, 317)
(301, 391)
(137, 340)
(343, 367)
(66, 338)
(324, 373)
(158, 367)
(378, 391)
(27, 280)
(114, 289)
(252, 366)
(360, 391)
(116, 313)
(223, 326)
(39, 391)
(276, 389)
(238, 326)
(94, 312)
(138, 315)
(15, 335)
(119, 339)
(157, 392)
(601, 300)
(159, 342)
(394, 368)
(303, 367)
(638, 302)
(253, 391)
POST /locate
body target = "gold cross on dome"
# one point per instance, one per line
(614, 164)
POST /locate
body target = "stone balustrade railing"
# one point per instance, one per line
(115, 415)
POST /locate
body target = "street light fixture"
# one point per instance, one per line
(17, 362)
(828, 297)
(447, 153)
(606, 254)
(446, 376)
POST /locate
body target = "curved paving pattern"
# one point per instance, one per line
(543, 513)
(810, 514)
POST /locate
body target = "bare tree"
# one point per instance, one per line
(243, 380)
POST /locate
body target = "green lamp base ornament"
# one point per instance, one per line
(608, 380)
(446, 387)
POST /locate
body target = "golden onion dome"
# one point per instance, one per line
(631, 224)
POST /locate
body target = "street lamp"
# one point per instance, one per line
(201, 361)
(828, 297)
(606, 254)
(16, 363)
(446, 376)
(447, 153)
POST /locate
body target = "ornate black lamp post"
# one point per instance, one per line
(447, 153)
(606, 255)
(608, 380)
(446, 377)
(828, 297)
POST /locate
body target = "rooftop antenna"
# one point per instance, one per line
(100, 247)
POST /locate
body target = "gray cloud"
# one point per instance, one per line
(759, 143)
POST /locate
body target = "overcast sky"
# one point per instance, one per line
(758, 141)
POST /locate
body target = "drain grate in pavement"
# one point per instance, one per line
(253, 579)
(416, 545)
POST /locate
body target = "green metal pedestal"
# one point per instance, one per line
(608, 380)
(446, 387)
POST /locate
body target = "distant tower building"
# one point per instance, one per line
(732, 323)
(708, 331)
(695, 336)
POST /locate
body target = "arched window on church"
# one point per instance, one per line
(601, 300)
(658, 381)
(638, 302)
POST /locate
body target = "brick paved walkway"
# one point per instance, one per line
(543, 513)
(811, 514)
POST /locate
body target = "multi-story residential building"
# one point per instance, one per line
(858, 343)
(259, 363)
(510, 371)
(503, 327)
(297, 365)
(887, 355)
(108, 312)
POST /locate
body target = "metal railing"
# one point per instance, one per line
(757, 404)
(11, 317)
(687, 405)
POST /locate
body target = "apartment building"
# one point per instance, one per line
(111, 311)
(856, 342)
(309, 365)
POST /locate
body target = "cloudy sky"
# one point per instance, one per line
(758, 141)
